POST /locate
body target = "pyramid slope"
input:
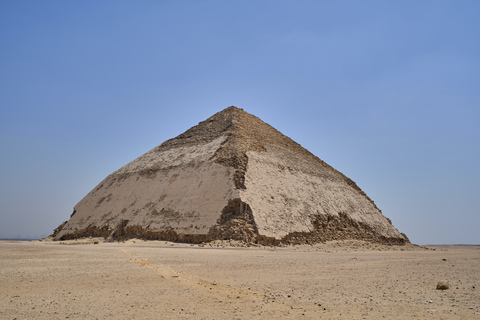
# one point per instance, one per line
(230, 177)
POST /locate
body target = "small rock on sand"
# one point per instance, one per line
(443, 285)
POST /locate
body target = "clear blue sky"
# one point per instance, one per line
(387, 92)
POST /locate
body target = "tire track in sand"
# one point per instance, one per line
(215, 293)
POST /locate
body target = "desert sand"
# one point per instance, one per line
(138, 279)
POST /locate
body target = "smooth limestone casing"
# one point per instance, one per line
(286, 190)
(191, 190)
(186, 192)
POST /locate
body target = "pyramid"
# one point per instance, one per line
(232, 176)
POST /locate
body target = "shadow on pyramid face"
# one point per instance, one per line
(236, 222)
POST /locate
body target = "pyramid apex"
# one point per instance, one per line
(231, 109)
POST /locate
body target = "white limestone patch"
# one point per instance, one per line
(186, 197)
(285, 191)
(181, 156)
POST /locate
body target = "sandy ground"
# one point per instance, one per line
(159, 280)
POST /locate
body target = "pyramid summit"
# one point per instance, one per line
(232, 176)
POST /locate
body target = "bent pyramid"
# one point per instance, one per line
(230, 177)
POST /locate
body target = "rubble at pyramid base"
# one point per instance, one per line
(239, 228)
